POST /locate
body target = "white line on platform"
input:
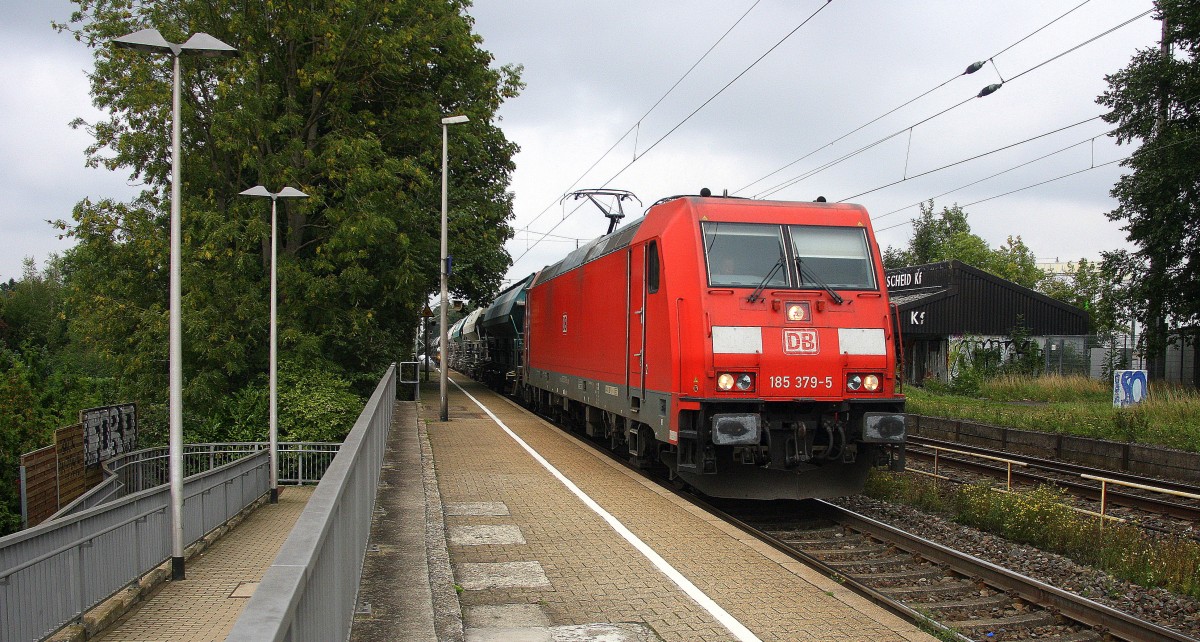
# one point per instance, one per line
(735, 627)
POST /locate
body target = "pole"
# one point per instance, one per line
(150, 40)
(176, 346)
(444, 365)
(274, 369)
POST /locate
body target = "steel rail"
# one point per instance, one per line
(870, 593)
(1087, 612)
(1058, 465)
(1157, 505)
(896, 607)
(1080, 609)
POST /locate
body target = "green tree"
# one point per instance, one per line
(1090, 285)
(31, 309)
(1016, 262)
(1153, 101)
(64, 375)
(341, 100)
(947, 236)
(22, 429)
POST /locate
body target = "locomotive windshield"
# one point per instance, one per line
(745, 254)
(797, 256)
(835, 256)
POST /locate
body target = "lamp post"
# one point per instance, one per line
(287, 192)
(199, 44)
(445, 268)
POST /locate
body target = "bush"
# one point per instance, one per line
(315, 404)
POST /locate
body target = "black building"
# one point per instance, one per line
(942, 305)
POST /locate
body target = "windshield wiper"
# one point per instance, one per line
(837, 298)
(754, 296)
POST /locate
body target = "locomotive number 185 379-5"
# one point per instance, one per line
(802, 382)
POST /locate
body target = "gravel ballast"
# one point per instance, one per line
(1155, 605)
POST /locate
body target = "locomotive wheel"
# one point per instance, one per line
(642, 447)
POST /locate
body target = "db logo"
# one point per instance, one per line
(800, 342)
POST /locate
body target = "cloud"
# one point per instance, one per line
(593, 71)
(41, 157)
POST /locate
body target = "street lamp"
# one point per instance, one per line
(287, 192)
(200, 44)
(445, 267)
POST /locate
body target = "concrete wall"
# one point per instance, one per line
(1154, 461)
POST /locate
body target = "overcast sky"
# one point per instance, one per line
(594, 70)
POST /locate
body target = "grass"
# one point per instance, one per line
(1040, 518)
(1070, 405)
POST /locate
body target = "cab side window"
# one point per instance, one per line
(652, 267)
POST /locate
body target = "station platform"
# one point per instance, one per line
(497, 526)
(531, 534)
(203, 607)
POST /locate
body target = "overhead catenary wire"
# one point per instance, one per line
(719, 92)
(991, 176)
(985, 92)
(970, 70)
(686, 118)
(1019, 189)
(1092, 165)
(637, 124)
(864, 148)
(550, 238)
(975, 157)
(1084, 43)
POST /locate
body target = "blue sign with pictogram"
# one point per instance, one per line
(1129, 387)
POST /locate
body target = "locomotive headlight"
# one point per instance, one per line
(798, 311)
(871, 383)
(854, 382)
(740, 381)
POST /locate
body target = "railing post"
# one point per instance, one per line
(1103, 501)
(77, 578)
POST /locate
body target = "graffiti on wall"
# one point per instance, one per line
(966, 349)
(108, 431)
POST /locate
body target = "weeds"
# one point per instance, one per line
(1070, 405)
(1040, 518)
(1050, 388)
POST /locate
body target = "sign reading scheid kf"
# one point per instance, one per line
(936, 275)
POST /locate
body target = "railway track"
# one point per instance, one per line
(941, 589)
(1070, 477)
(925, 581)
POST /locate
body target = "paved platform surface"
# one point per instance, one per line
(204, 606)
(532, 561)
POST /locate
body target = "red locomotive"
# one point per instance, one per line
(746, 345)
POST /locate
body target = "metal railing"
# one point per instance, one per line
(54, 572)
(310, 590)
(1105, 481)
(939, 449)
(299, 463)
